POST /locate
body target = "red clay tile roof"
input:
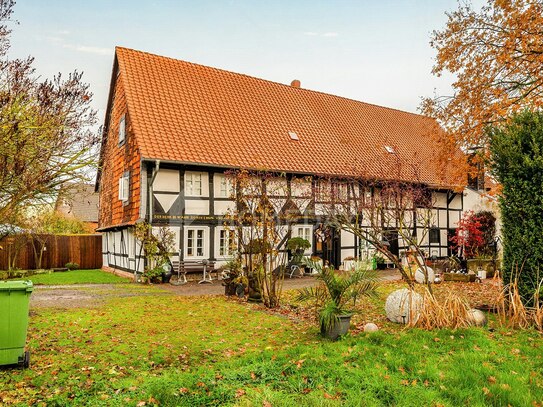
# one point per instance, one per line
(190, 113)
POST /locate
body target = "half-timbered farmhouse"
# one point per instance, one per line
(173, 128)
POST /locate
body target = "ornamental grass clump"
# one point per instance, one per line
(512, 311)
(449, 311)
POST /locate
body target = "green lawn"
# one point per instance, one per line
(77, 277)
(170, 350)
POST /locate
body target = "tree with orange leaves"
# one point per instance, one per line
(496, 55)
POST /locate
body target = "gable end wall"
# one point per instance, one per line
(116, 160)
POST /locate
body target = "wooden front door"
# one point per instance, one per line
(331, 248)
(391, 235)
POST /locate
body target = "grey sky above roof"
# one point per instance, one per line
(377, 52)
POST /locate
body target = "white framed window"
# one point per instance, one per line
(195, 184)
(305, 232)
(124, 186)
(225, 242)
(196, 242)
(223, 186)
(122, 129)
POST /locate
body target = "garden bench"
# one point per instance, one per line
(193, 267)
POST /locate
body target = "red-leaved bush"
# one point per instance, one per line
(474, 234)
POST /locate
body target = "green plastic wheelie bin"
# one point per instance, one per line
(14, 301)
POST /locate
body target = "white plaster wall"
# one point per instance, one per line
(476, 201)
(196, 206)
(347, 253)
(408, 219)
(347, 238)
(176, 230)
(454, 218)
(104, 249)
(300, 188)
(143, 192)
(166, 181)
(443, 218)
(278, 203)
(223, 207)
(434, 217)
(439, 199)
(277, 187)
(422, 237)
(319, 209)
(426, 217)
(456, 202)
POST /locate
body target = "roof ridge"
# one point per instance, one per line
(270, 81)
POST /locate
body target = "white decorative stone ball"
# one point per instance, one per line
(402, 304)
(421, 278)
(476, 317)
(370, 327)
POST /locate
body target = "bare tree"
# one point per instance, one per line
(260, 228)
(375, 210)
(46, 135)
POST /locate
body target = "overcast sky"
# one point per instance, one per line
(373, 51)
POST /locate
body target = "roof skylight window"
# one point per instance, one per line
(390, 149)
(293, 136)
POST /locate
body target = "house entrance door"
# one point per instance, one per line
(331, 248)
(391, 236)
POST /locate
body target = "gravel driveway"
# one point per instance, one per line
(94, 295)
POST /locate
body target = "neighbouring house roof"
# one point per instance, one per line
(79, 201)
(193, 114)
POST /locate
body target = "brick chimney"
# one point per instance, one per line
(295, 83)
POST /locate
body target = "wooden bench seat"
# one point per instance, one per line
(193, 267)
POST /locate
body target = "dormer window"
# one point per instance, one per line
(122, 130)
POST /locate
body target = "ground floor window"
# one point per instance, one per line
(195, 242)
(226, 242)
(434, 236)
(305, 232)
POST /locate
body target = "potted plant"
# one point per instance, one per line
(156, 249)
(153, 275)
(379, 261)
(333, 295)
(308, 262)
(349, 263)
(482, 265)
(297, 246)
(233, 271)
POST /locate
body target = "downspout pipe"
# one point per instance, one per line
(151, 196)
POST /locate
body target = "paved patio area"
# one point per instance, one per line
(192, 288)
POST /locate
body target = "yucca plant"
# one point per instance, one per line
(337, 289)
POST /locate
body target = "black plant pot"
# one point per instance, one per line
(166, 276)
(240, 290)
(341, 327)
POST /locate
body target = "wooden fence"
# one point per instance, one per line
(85, 250)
